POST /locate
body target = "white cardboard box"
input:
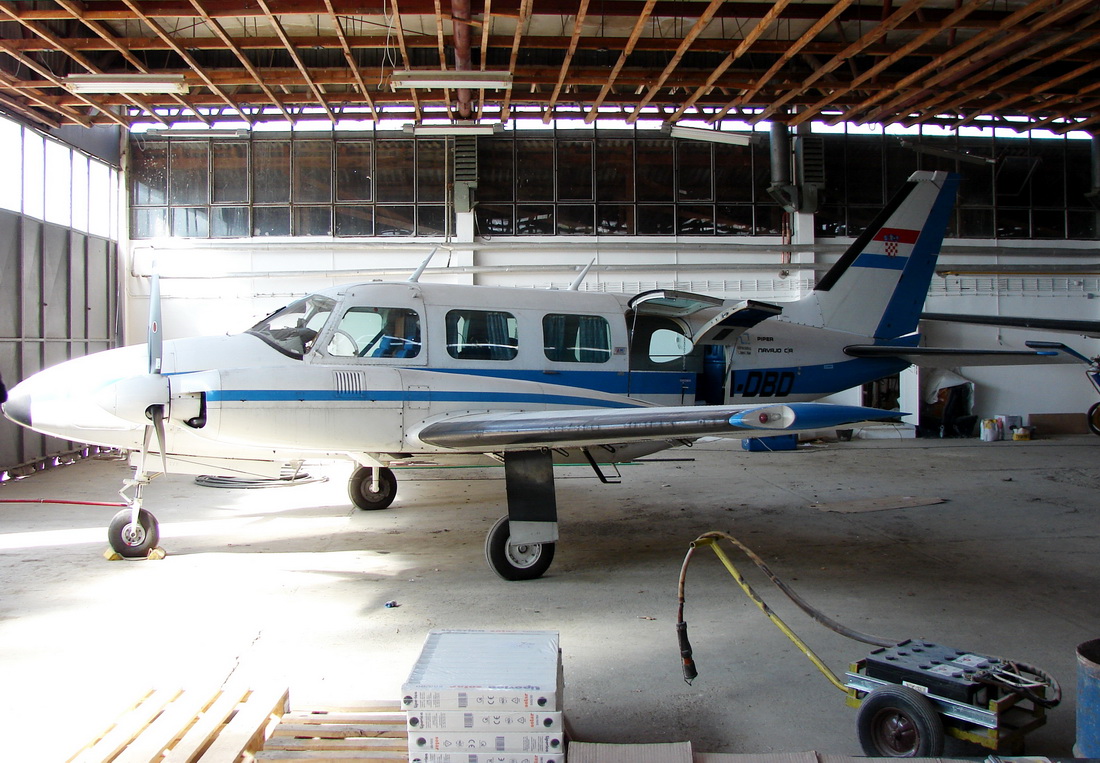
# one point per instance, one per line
(485, 670)
(474, 757)
(483, 720)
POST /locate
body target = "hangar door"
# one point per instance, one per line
(58, 299)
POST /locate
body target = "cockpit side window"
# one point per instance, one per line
(293, 329)
(377, 332)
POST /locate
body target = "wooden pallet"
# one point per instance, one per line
(178, 725)
(369, 732)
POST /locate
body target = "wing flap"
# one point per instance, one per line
(950, 357)
(573, 428)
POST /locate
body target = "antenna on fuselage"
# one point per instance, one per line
(576, 285)
(415, 277)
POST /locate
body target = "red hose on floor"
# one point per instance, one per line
(69, 503)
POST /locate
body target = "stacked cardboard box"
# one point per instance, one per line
(486, 697)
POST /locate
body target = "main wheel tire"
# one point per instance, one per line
(516, 562)
(133, 541)
(899, 722)
(359, 489)
(1094, 419)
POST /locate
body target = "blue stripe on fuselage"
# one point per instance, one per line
(330, 396)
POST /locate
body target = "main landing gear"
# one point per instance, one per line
(519, 546)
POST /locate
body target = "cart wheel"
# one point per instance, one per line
(1094, 418)
(899, 722)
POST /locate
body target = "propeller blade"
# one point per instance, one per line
(156, 348)
(158, 425)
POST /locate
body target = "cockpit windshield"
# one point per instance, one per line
(292, 329)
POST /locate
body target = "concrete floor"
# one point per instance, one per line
(287, 586)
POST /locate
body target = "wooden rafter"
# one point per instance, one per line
(215, 26)
(743, 48)
(78, 11)
(697, 29)
(801, 44)
(863, 43)
(521, 29)
(486, 31)
(982, 54)
(350, 58)
(399, 30)
(281, 34)
(860, 81)
(935, 68)
(970, 90)
(631, 43)
(77, 56)
(65, 111)
(578, 26)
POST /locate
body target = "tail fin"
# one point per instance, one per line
(878, 286)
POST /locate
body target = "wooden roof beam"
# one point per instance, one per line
(949, 24)
(874, 35)
(935, 70)
(521, 29)
(403, 46)
(747, 43)
(66, 111)
(578, 26)
(215, 26)
(697, 29)
(78, 10)
(281, 34)
(350, 59)
(972, 92)
(80, 58)
(632, 41)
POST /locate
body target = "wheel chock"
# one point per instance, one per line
(156, 553)
(111, 555)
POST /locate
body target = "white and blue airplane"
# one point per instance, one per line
(411, 373)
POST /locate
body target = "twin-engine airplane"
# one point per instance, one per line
(391, 374)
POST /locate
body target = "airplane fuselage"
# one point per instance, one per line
(344, 387)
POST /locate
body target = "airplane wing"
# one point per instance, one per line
(1085, 328)
(948, 357)
(577, 428)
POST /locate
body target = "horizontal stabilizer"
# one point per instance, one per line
(949, 357)
(503, 431)
(1084, 328)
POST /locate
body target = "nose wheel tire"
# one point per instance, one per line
(524, 562)
(361, 493)
(1094, 419)
(899, 722)
(131, 540)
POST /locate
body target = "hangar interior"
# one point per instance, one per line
(253, 152)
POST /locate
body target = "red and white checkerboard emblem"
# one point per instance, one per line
(891, 243)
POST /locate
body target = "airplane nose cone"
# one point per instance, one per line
(18, 407)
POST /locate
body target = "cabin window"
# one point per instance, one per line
(292, 329)
(481, 335)
(576, 338)
(377, 332)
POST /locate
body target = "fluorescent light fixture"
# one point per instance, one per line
(473, 80)
(714, 136)
(174, 132)
(458, 128)
(127, 83)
